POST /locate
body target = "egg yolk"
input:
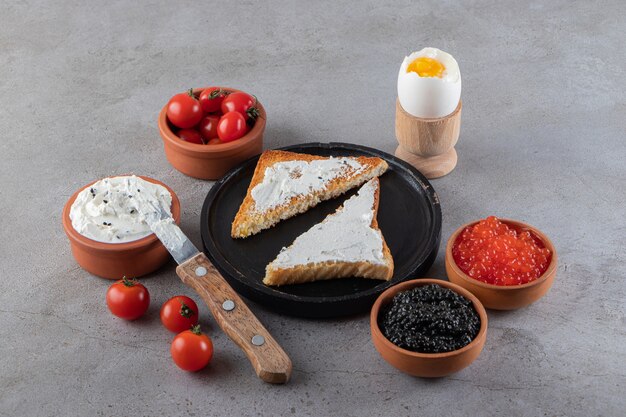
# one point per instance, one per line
(426, 67)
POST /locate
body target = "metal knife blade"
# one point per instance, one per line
(164, 227)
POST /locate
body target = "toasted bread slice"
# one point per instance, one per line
(285, 184)
(348, 243)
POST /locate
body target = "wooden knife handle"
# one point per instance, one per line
(269, 360)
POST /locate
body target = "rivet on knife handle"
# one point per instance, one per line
(269, 360)
(228, 305)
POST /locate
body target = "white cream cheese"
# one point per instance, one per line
(345, 236)
(107, 211)
(285, 180)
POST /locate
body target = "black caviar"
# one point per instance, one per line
(429, 319)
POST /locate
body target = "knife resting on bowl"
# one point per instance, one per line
(269, 360)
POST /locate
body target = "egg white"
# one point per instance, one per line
(430, 97)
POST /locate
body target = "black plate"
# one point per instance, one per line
(409, 216)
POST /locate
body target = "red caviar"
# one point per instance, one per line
(496, 253)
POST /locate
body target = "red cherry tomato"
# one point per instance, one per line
(128, 299)
(208, 127)
(184, 110)
(179, 313)
(192, 350)
(191, 136)
(211, 99)
(232, 126)
(239, 101)
(215, 141)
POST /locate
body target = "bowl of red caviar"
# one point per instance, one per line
(506, 264)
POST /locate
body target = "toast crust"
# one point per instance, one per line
(249, 221)
(332, 269)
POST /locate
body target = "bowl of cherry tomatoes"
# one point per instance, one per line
(208, 131)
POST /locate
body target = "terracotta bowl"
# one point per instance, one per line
(428, 365)
(500, 297)
(116, 260)
(210, 162)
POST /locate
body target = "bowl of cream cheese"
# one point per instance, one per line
(107, 233)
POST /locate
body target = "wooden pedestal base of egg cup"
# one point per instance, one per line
(504, 297)
(427, 365)
(116, 260)
(211, 162)
(428, 144)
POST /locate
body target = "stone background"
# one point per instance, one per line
(542, 141)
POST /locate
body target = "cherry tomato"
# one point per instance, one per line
(211, 99)
(184, 110)
(240, 102)
(191, 136)
(231, 126)
(128, 299)
(215, 141)
(208, 127)
(179, 313)
(192, 350)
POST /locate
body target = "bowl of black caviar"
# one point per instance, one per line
(428, 327)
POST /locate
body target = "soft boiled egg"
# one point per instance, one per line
(429, 83)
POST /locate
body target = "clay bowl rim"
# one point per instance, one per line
(169, 135)
(519, 225)
(115, 247)
(388, 294)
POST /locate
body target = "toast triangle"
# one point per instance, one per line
(347, 243)
(285, 184)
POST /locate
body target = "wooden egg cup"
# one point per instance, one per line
(428, 144)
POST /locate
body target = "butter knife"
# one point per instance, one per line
(269, 360)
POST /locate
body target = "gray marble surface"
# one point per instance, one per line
(542, 140)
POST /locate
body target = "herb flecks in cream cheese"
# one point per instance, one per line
(345, 236)
(284, 180)
(108, 212)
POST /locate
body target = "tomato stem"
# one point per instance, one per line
(253, 113)
(190, 93)
(196, 330)
(216, 93)
(129, 282)
(185, 311)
